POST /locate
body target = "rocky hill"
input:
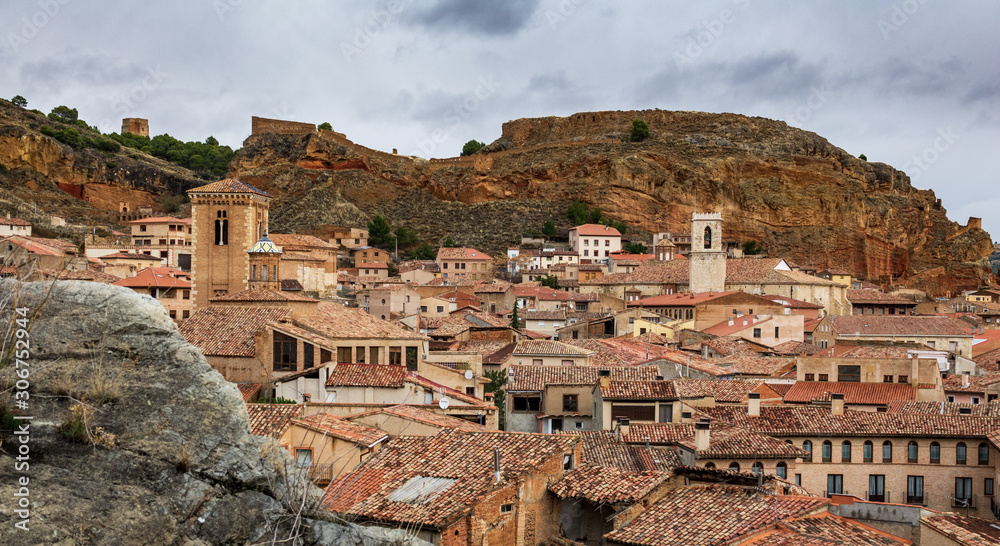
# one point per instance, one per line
(84, 185)
(802, 197)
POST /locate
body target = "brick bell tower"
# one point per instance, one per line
(227, 218)
(264, 258)
(707, 260)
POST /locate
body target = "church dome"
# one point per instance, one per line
(265, 246)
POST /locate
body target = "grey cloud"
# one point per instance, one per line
(476, 17)
(75, 67)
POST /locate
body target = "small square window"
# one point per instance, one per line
(904, 379)
(810, 377)
(506, 508)
(824, 377)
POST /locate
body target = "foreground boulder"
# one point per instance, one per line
(135, 439)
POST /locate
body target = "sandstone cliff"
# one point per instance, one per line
(174, 461)
(805, 199)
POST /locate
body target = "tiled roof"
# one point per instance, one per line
(732, 346)
(130, 256)
(543, 315)
(272, 420)
(989, 360)
(679, 299)
(249, 391)
(535, 378)
(367, 375)
(360, 435)
(964, 530)
(792, 303)
(724, 328)
(335, 321)
(300, 257)
(725, 441)
(161, 220)
(796, 348)
(603, 356)
(730, 391)
(860, 297)
(824, 529)
(709, 515)
(228, 331)
(228, 185)
(291, 284)
(295, 239)
(650, 337)
(991, 409)
(764, 366)
(156, 277)
(600, 484)
(854, 393)
(462, 254)
(896, 325)
(977, 384)
(368, 265)
(67, 275)
(494, 352)
(13, 222)
(596, 230)
(262, 296)
(429, 417)
(639, 390)
(542, 348)
(33, 246)
(799, 420)
(605, 448)
(463, 459)
(488, 287)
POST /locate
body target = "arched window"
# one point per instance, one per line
(263, 270)
(782, 470)
(935, 453)
(808, 446)
(887, 451)
(827, 451)
(845, 452)
(221, 228)
(710, 465)
(960, 453)
(734, 466)
(868, 449)
(984, 453)
(253, 272)
(708, 237)
(275, 271)
(911, 452)
(757, 468)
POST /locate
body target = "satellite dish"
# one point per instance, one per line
(443, 403)
(468, 374)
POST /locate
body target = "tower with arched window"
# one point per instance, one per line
(227, 218)
(264, 258)
(707, 260)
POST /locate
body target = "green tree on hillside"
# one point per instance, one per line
(635, 248)
(752, 248)
(549, 229)
(498, 379)
(577, 213)
(379, 232)
(515, 321)
(64, 114)
(471, 147)
(423, 252)
(18, 100)
(640, 131)
(325, 126)
(550, 281)
(449, 243)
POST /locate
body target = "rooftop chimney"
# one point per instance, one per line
(496, 464)
(730, 321)
(623, 426)
(702, 436)
(837, 403)
(604, 377)
(754, 408)
(965, 380)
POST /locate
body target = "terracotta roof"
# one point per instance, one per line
(964, 530)
(368, 265)
(725, 441)
(731, 391)
(732, 346)
(228, 185)
(156, 277)
(366, 375)
(360, 435)
(989, 360)
(494, 352)
(295, 239)
(272, 420)
(542, 348)
(535, 378)
(262, 296)
(596, 230)
(896, 325)
(462, 254)
(13, 222)
(161, 220)
(492, 287)
(600, 484)
(605, 448)
(709, 515)
(603, 355)
(763, 366)
(543, 315)
(335, 321)
(678, 299)
(796, 348)
(34, 246)
(824, 529)
(299, 257)
(639, 390)
(792, 303)
(458, 464)
(429, 417)
(739, 324)
(291, 285)
(800, 420)
(854, 393)
(991, 409)
(977, 384)
(66, 275)
(228, 331)
(130, 256)
(861, 297)
(249, 391)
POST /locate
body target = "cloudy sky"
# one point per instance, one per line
(913, 83)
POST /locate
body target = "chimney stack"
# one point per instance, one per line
(837, 404)
(754, 408)
(731, 321)
(702, 436)
(965, 380)
(623, 427)
(496, 464)
(604, 377)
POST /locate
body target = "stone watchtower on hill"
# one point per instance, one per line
(227, 218)
(136, 126)
(707, 260)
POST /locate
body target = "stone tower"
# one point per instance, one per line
(227, 218)
(264, 258)
(136, 126)
(707, 260)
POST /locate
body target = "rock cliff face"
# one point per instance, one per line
(174, 461)
(803, 198)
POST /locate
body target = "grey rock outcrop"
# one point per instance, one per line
(173, 461)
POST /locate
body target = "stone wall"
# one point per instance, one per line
(266, 125)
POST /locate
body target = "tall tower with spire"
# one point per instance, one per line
(707, 260)
(264, 258)
(227, 217)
